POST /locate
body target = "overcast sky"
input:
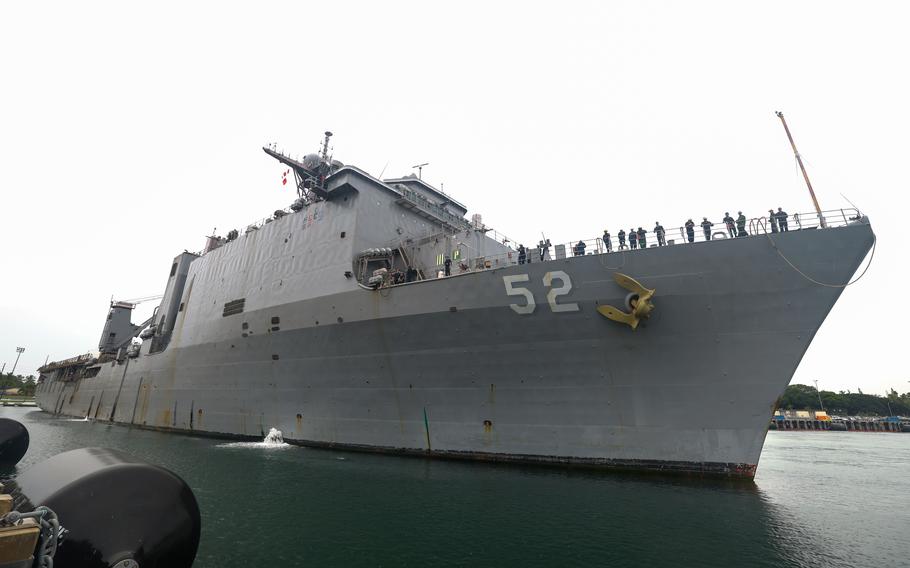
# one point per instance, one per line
(129, 131)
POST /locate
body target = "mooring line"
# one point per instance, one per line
(814, 281)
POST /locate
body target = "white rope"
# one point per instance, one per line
(814, 281)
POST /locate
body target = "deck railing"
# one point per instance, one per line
(674, 236)
(439, 212)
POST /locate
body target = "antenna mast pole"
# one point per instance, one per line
(821, 218)
(325, 146)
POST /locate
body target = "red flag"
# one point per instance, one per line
(284, 178)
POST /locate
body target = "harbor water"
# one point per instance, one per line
(819, 499)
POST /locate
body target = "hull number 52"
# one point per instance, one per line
(554, 292)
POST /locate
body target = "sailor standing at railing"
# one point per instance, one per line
(690, 230)
(642, 243)
(729, 222)
(522, 254)
(706, 227)
(773, 218)
(782, 219)
(543, 249)
(633, 238)
(741, 225)
(607, 242)
(661, 234)
(622, 239)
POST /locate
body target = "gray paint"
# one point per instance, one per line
(117, 327)
(166, 315)
(691, 390)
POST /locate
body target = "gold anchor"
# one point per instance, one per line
(640, 302)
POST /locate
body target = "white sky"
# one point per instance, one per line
(128, 131)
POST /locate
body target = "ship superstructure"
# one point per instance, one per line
(373, 315)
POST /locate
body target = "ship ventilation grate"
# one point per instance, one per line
(233, 307)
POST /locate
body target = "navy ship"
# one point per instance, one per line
(373, 315)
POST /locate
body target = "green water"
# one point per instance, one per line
(819, 499)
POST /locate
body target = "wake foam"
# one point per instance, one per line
(274, 439)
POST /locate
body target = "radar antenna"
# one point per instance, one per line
(419, 168)
(310, 171)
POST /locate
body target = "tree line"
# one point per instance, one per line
(25, 384)
(845, 403)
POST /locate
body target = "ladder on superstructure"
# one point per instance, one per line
(402, 248)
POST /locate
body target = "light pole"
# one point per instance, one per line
(19, 352)
(819, 393)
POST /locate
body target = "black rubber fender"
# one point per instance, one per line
(13, 442)
(114, 508)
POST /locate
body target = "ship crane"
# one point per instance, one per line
(136, 301)
(799, 160)
(130, 304)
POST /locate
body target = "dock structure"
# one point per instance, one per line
(789, 420)
(17, 400)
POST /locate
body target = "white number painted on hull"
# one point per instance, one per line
(561, 291)
(530, 303)
(529, 306)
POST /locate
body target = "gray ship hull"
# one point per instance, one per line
(449, 368)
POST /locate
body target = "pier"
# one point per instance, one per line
(18, 401)
(859, 425)
(820, 421)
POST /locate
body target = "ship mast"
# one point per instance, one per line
(325, 146)
(821, 218)
(310, 172)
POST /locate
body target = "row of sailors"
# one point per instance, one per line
(527, 254)
(735, 228)
(637, 238)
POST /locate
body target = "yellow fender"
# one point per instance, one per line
(641, 306)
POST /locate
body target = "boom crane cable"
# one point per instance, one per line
(140, 300)
(821, 217)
